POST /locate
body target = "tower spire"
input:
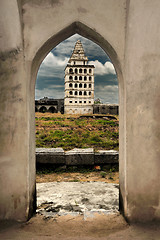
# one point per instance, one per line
(78, 53)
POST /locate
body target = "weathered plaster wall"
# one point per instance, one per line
(14, 161)
(142, 65)
(47, 23)
(58, 20)
(129, 32)
(55, 15)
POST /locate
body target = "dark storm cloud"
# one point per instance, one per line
(42, 82)
(92, 50)
(106, 88)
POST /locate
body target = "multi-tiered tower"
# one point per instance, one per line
(79, 83)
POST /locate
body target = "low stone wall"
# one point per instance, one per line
(58, 156)
(106, 109)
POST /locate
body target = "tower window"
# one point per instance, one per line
(76, 70)
(70, 85)
(75, 78)
(85, 93)
(80, 85)
(80, 101)
(90, 70)
(90, 85)
(70, 70)
(75, 85)
(90, 78)
(70, 101)
(80, 93)
(70, 92)
(85, 70)
(85, 85)
(85, 78)
(84, 101)
(80, 70)
(80, 78)
(75, 93)
(89, 93)
(70, 77)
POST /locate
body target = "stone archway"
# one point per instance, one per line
(27, 35)
(52, 110)
(43, 109)
(85, 31)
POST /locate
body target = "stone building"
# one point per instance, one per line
(79, 83)
(49, 105)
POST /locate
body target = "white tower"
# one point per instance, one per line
(79, 83)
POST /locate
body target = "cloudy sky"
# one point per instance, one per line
(50, 78)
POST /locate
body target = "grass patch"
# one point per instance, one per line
(68, 132)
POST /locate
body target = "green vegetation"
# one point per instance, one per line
(68, 132)
(103, 174)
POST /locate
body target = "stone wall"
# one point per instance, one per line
(106, 109)
(57, 156)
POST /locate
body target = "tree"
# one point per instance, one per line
(97, 101)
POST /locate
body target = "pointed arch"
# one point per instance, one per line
(83, 30)
(91, 34)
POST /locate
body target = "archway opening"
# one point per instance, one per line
(52, 110)
(102, 171)
(43, 109)
(118, 70)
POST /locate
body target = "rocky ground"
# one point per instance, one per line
(75, 193)
(77, 198)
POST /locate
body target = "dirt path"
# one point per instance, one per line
(108, 177)
(111, 227)
(67, 227)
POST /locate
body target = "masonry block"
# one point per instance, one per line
(80, 156)
(50, 155)
(106, 156)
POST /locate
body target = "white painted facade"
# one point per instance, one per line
(79, 83)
